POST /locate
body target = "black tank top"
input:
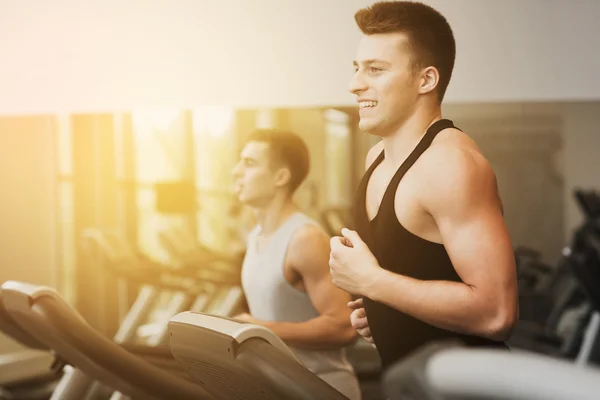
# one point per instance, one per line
(398, 250)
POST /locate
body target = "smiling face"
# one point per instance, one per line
(385, 82)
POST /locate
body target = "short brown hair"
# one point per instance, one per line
(286, 148)
(430, 37)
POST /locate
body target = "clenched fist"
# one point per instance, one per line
(352, 266)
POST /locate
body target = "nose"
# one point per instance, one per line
(357, 84)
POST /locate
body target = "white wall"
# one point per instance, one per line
(71, 55)
(27, 204)
(579, 123)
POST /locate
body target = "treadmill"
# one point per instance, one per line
(44, 315)
(228, 359)
(448, 371)
(37, 378)
(269, 370)
(11, 328)
(235, 360)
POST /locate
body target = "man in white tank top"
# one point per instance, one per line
(285, 274)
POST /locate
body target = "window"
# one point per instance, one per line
(122, 157)
(159, 147)
(338, 160)
(65, 217)
(215, 150)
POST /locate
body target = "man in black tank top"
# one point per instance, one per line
(431, 258)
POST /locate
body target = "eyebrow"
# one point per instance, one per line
(371, 61)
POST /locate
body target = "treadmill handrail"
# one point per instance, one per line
(31, 290)
(487, 373)
(238, 330)
(246, 353)
(498, 371)
(60, 317)
(10, 327)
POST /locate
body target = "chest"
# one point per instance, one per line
(268, 260)
(261, 243)
(408, 208)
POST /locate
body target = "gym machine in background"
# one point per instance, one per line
(210, 284)
(584, 260)
(164, 288)
(558, 317)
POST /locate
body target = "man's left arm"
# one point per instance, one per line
(468, 214)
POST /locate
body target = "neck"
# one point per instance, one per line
(275, 213)
(410, 132)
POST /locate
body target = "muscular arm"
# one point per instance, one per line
(308, 254)
(463, 202)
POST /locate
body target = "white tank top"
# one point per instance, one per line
(272, 298)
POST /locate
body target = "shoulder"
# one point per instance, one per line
(309, 243)
(459, 156)
(373, 153)
(454, 172)
(307, 235)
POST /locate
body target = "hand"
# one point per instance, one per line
(352, 266)
(359, 322)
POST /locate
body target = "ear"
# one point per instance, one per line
(282, 176)
(429, 80)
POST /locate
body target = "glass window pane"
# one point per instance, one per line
(215, 156)
(66, 226)
(159, 145)
(151, 223)
(215, 149)
(119, 142)
(64, 147)
(337, 143)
